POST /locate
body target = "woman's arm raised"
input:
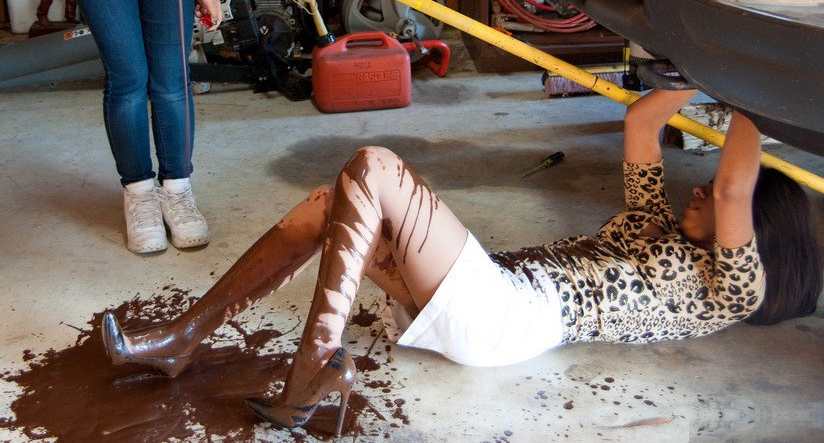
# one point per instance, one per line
(734, 183)
(644, 120)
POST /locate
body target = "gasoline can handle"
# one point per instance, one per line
(365, 36)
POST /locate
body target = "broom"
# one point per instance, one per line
(558, 86)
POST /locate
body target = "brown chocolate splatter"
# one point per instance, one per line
(378, 384)
(366, 364)
(398, 412)
(364, 317)
(257, 339)
(76, 394)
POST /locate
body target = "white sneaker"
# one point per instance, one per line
(144, 221)
(180, 212)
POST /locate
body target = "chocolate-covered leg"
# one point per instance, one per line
(385, 221)
(378, 200)
(279, 255)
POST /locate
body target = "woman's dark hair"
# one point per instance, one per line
(788, 249)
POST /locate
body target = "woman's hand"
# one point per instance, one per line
(210, 8)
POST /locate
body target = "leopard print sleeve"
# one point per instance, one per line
(740, 283)
(644, 191)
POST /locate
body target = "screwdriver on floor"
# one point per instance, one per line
(549, 161)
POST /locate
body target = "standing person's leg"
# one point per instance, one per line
(279, 255)
(117, 30)
(167, 35)
(378, 198)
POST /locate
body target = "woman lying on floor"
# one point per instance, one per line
(743, 250)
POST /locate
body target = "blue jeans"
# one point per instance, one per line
(144, 45)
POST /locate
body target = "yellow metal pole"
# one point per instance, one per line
(593, 82)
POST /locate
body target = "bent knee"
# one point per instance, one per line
(322, 197)
(374, 152)
(321, 192)
(370, 160)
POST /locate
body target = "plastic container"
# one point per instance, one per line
(361, 71)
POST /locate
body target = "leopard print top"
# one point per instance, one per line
(621, 287)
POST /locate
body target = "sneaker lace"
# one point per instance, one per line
(183, 208)
(145, 210)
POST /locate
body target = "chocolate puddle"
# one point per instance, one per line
(365, 317)
(76, 394)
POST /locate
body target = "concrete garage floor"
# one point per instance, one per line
(471, 135)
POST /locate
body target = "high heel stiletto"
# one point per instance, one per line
(338, 374)
(117, 347)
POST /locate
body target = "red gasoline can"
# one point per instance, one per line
(361, 71)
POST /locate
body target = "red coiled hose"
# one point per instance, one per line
(577, 23)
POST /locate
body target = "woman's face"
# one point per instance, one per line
(698, 222)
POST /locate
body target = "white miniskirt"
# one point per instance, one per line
(480, 315)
